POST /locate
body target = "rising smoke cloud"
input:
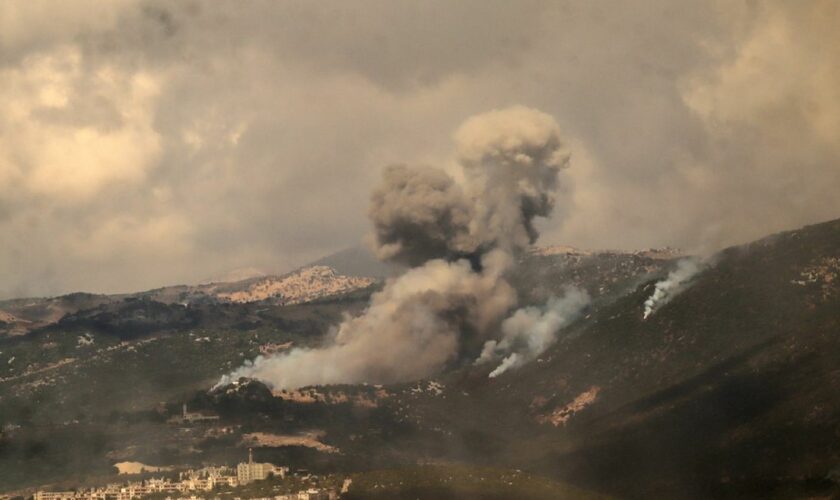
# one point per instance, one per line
(676, 281)
(459, 234)
(420, 213)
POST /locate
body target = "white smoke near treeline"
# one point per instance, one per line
(676, 281)
(459, 238)
(531, 330)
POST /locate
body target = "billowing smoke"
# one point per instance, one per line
(531, 330)
(510, 160)
(459, 234)
(676, 281)
(420, 213)
(412, 328)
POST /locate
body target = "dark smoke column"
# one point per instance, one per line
(459, 233)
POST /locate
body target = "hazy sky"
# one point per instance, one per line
(152, 143)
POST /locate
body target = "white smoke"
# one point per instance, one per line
(510, 361)
(531, 330)
(676, 281)
(459, 237)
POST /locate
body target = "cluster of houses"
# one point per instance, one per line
(190, 484)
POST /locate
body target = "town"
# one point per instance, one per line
(195, 483)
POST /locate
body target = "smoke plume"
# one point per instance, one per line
(531, 330)
(459, 234)
(419, 213)
(677, 281)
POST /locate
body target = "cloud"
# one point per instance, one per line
(57, 142)
(32, 26)
(770, 113)
(696, 125)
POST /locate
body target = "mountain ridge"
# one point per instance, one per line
(334, 274)
(699, 400)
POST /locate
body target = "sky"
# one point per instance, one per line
(146, 143)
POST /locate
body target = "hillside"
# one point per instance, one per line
(128, 362)
(358, 261)
(459, 482)
(729, 390)
(306, 284)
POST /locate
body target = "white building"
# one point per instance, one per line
(249, 471)
(54, 495)
(316, 494)
(205, 480)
